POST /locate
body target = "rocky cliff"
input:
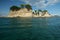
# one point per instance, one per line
(21, 13)
(46, 14)
(42, 14)
(25, 13)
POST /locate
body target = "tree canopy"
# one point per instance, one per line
(14, 8)
(44, 10)
(28, 7)
(40, 10)
(22, 6)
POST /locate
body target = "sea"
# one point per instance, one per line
(30, 28)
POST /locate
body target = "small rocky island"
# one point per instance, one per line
(25, 10)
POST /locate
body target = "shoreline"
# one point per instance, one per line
(28, 17)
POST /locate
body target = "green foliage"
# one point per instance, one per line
(35, 10)
(22, 6)
(14, 8)
(40, 10)
(28, 7)
(45, 11)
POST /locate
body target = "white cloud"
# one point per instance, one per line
(40, 3)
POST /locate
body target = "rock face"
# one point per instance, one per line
(46, 14)
(42, 14)
(25, 13)
(21, 13)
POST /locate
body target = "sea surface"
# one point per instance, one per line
(30, 28)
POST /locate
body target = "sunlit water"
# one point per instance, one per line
(30, 28)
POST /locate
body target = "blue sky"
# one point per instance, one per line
(53, 6)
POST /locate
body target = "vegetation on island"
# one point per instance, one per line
(28, 7)
(42, 11)
(16, 8)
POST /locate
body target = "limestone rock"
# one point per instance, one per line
(21, 13)
(25, 13)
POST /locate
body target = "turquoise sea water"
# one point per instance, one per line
(30, 28)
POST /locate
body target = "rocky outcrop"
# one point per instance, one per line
(25, 13)
(42, 14)
(21, 13)
(46, 14)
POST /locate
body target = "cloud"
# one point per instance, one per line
(40, 3)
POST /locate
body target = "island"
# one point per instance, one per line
(25, 10)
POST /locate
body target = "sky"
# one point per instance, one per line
(53, 6)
